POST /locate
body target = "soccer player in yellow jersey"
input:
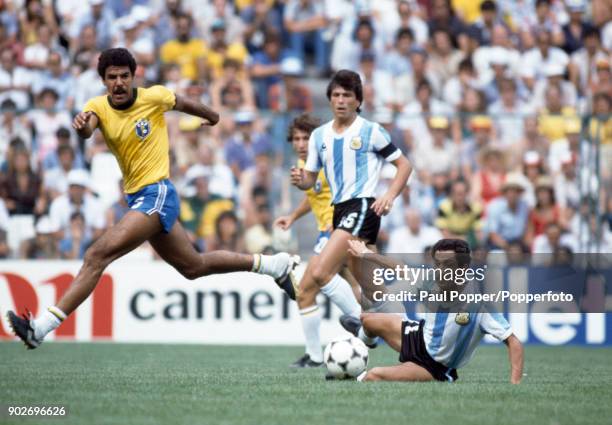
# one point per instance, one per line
(318, 199)
(132, 122)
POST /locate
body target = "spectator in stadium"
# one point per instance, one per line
(414, 236)
(583, 62)
(575, 30)
(258, 236)
(221, 179)
(480, 128)
(20, 186)
(533, 168)
(265, 67)
(228, 233)
(458, 217)
(118, 209)
(305, 22)
(489, 18)
(44, 245)
(232, 91)
(12, 126)
(456, 86)
(543, 18)
(397, 60)
(376, 83)
(221, 49)
(600, 130)
(442, 16)
(46, 120)
(35, 55)
(555, 76)
(200, 209)
(78, 199)
(508, 113)
(500, 59)
(58, 79)
(77, 238)
(552, 118)
(15, 80)
(545, 211)
(567, 191)
(507, 215)
(531, 140)
(245, 143)
(438, 157)
(470, 116)
(188, 142)
(133, 37)
(185, 50)
(260, 19)
(571, 144)
(212, 11)
(31, 17)
(100, 18)
(488, 182)
(365, 40)
(55, 180)
(290, 95)
(552, 239)
(85, 49)
(535, 60)
(410, 20)
(443, 59)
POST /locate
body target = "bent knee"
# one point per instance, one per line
(320, 275)
(368, 321)
(189, 272)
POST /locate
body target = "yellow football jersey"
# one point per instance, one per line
(137, 136)
(319, 198)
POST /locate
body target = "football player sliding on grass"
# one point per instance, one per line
(433, 348)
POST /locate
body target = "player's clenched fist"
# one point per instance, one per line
(297, 176)
(81, 120)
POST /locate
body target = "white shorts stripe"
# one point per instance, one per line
(362, 214)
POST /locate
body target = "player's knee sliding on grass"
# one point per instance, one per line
(132, 122)
(434, 348)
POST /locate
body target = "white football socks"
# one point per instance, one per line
(368, 340)
(311, 323)
(340, 293)
(48, 321)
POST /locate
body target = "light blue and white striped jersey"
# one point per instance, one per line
(453, 344)
(351, 160)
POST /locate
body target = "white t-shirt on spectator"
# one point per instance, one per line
(484, 55)
(402, 240)
(88, 85)
(541, 244)
(61, 209)
(4, 216)
(46, 126)
(56, 179)
(533, 64)
(18, 78)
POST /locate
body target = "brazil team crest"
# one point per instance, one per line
(143, 128)
(355, 143)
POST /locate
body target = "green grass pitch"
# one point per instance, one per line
(191, 384)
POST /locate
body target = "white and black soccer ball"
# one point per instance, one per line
(346, 357)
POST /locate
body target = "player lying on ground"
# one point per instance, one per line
(435, 347)
(317, 200)
(351, 151)
(132, 122)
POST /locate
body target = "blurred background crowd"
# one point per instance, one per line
(503, 107)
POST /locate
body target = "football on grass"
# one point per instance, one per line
(346, 357)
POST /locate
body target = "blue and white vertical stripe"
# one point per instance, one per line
(453, 344)
(351, 160)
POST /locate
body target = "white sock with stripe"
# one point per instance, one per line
(311, 323)
(48, 321)
(368, 340)
(340, 293)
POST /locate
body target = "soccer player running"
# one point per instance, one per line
(132, 122)
(351, 150)
(444, 341)
(318, 200)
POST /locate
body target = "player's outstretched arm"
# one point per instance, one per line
(515, 356)
(197, 109)
(286, 221)
(383, 205)
(303, 179)
(85, 123)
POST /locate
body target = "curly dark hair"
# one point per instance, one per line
(349, 81)
(305, 123)
(116, 57)
(458, 246)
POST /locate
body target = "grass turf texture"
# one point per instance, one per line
(189, 384)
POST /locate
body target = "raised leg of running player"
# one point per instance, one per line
(174, 247)
(132, 230)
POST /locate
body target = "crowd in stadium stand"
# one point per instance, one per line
(503, 108)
